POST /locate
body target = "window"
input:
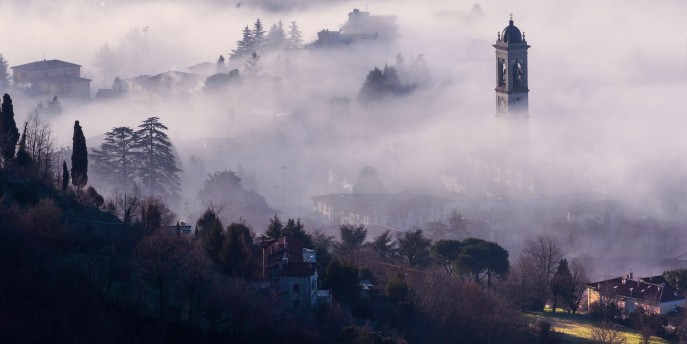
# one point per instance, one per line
(518, 75)
(296, 288)
(502, 72)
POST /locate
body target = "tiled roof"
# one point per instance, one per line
(653, 289)
(45, 65)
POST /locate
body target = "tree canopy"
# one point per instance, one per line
(157, 168)
(79, 157)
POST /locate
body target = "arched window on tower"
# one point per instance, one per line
(518, 74)
(502, 72)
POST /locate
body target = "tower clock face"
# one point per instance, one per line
(502, 104)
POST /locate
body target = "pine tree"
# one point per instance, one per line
(276, 38)
(258, 35)
(252, 69)
(243, 46)
(274, 229)
(65, 176)
(79, 157)
(157, 168)
(23, 157)
(116, 159)
(9, 133)
(295, 39)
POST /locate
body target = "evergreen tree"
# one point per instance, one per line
(295, 39)
(156, 168)
(243, 46)
(9, 133)
(79, 157)
(221, 65)
(414, 248)
(65, 176)
(209, 231)
(275, 228)
(4, 66)
(252, 69)
(276, 37)
(352, 236)
(295, 229)
(561, 283)
(237, 251)
(115, 160)
(23, 157)
(258, 35)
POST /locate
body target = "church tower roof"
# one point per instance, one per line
(511, 34)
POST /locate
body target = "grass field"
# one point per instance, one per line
(576, 328)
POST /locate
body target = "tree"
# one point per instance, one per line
(116, 159)
(9, 133)
(226, 188)
(458, 223)
(79, 157)
(3, 72)
(295, 229)
(578, 285)
(445, 252)
(414, 248)
(295, 39)
(243, 46)
(23, 157)
(209, 230)
(342, 278)
(40, 145)
(159, 257)
(157, 169)
(368, 181)
(237, 251)
(677, 278)
(252, 69)
(607, 332)
(65, 176)
(384, 245)
(276, 38)
(561, 285)
(258, 35)
(352, 236)
(274, 229)
(221, 65)
(544, 253)
(481, 259)
(382, 83)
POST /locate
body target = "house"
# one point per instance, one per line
(653, 294)
(395, 211)
(55, 77)
(291, 271)
(360, 27)
(180, 229)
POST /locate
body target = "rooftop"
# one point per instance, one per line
(45, 65)
(652, 289)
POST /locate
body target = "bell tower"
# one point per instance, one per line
(512, 113)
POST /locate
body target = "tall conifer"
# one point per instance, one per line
(79, 157)
(9, 133)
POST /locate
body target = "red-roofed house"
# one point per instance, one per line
(654, 294)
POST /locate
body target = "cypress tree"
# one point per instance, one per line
(65, 176)
(23, 158)
(9, 134)
(79, 157)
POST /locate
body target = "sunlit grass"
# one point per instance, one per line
(577, 328)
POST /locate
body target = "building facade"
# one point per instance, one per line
(55, 77)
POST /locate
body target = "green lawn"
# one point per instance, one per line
(577, 328)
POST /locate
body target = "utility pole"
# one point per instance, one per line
(283, 187)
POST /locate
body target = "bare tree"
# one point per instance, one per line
(40, 145)
(158, 259)
(194, 269)
(607, 332)
(578, 285)
(543, 253)
(520, 283)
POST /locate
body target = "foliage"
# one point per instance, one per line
(542, 254)
(79, 157)
(677, 278)
(414, 248)
(295, 39)
(157, 168)
(445, 252)
(561, 283)
(237, 251)
(23, 157)
(9, 133)
(211, 233)
(480, 259)
(252, 69)
(342, 278)
(385, 245)
(458, 223)
(274, 229)
(221, 65)
(3, 71)
(65, 176)
(380, 84)
(276, 37)
(243, 46)
(352, 236)
(368, 181)
(225, 188)
(295, 229)
(116, 158)
(607, 332)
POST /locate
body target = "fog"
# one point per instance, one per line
(607, 87)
